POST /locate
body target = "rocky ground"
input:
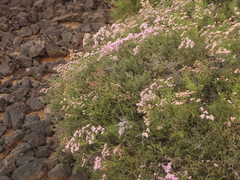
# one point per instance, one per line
(36, 36)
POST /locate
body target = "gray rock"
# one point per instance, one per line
(37, 72)
(38, 3)
(26, 82)
(33, 124)
(33, 17)
(25, 31)
(4, 2)
(34, 170)
(42, 153)
(44, 26)
(37, 49)
(35, 28)
(51, 65)
(96, 26)
(75, 16)
(86, 28)
(35, 139)
(60, 172)
(25, 158)
(54, 33)
(5, 178)
(22, 148)
(3, 129)
(24, 48)
(48, 12)
(23, 61)
(8, 168)
(6, 66)
(14, 137)
(8, 83)
(14, 115)
(2, 141)
(34, 103)
(3, 24)
(51, 162)
(88, 5)
(77, 40)
(67, 38)
(54, 51)
(19, 93)
(3, 104)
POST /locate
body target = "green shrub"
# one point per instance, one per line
(155, 96)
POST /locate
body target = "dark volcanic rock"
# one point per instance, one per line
(67, 38)
(36, 72)
(33, 124)
(25, 158)
(20, 90)
(14, 115)
(23, 61)
(54, 51)
(34, 170)
(8, 168)
(88, 5)
(25, 31)
(22, 148)
(48, 12)
(35, 28)
(3, 129)
(3, 24)
(3, 104)
(97, 26)
(42, 152)
(37, 49)
(13, 138)
(50, 66)
(60, 172)
(34, 103)
(35, 139)
(75, 16)
(24, 48)
(5, 178)
(6, 66)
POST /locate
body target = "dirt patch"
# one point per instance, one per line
(9, 132)
(41, 114)
(73, 25)
(46, 60)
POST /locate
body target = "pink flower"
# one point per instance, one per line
(145, 134)
(171, 177)
(210, 117)
(202, 116)
(97, 163)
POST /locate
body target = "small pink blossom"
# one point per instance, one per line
(97, 163)
(202, 116)
(210, 117)
(145, 134)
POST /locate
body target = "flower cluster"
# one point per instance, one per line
(205, 114)
(87, 134)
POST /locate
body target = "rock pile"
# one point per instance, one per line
(32, 31)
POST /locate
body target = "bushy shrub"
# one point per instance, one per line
(124, 8)
(155, 96)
